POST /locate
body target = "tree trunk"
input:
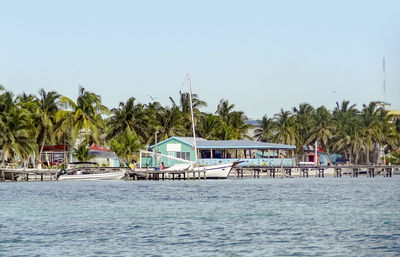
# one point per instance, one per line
(3, 153)
(41, 147)
(350, 155)
(356, 159)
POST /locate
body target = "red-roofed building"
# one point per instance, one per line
(54, 154)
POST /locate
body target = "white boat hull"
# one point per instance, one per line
(94, 176)
(220, 171)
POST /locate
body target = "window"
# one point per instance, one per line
(205, 154)
(183, 155)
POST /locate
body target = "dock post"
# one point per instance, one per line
(388, 172)
(355, 172)
(321, 172)
(3, 178)
(371, 172)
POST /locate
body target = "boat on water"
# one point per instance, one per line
(220, 171)
(87, 171)
(217, 171)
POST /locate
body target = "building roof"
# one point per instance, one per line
(228, 144)
(55, 148)
(240, 144)
(103, 154)
(95, 147)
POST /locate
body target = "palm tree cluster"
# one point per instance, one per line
(358, 135)
(29, 122)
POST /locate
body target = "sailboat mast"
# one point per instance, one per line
(191, 112)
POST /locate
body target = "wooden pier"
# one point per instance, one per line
(319, 171)
(166, 175)
(28, 175)
(239, 172)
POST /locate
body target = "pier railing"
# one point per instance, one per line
(319, 171)
(240, 172)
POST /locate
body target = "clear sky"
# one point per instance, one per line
(260, 55)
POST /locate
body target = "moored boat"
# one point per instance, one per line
(220, 171)
(83, 171)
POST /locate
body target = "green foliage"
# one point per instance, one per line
(127, 145)
(82, 153)
(393, 158)
(29, 122)
(16, 129)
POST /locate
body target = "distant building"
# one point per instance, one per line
(56, 154)
(256, 124)
(103, 156)
(210, 152)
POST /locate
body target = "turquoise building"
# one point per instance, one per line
(211, 152)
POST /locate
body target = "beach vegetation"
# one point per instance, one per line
(28, 122)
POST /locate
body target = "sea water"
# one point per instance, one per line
(235, 217)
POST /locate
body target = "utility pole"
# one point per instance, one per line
(316, 153)
(191, 112)
(155, 154)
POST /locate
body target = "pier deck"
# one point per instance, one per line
(166, 175)
(238, 172)
(317, 171)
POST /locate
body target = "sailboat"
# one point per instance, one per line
(219, 171)
(214, 171)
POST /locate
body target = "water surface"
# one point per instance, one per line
(234, 217)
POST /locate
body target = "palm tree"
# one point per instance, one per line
(128, 116)
(44, 117)
(126, 145)
(346, 137)
(266, 132)
(285, 129)
(169, 123)
(184, 107)
(224, 132)
(84, 116)
(371, 133)
(323, 128)
(15, 134)
(237, 120)
(304, 122)
(224, 110)
(389, 134)
(208, 126)
(82, 153)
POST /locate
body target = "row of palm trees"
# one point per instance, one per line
(29, 122)
(359, 135)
